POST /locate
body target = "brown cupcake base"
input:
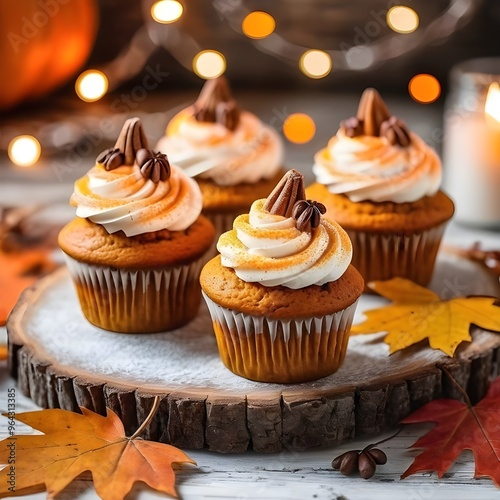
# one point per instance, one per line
(382, 256)
(140, 301)
(277, 351)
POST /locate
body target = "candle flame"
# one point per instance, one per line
(492, 106)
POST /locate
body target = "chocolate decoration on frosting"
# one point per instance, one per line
(372, 111)
(307, 214)
(396, 132)
(373, 118)
(111, 158)
(216, 104)
(287, 192)
(153, 165)
(131, 140)
(352, 127)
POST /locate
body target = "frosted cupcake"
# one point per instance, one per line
(381, 183)
(134, 251)
(234, 157)
(282, 294)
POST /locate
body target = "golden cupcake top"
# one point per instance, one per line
(216, 140)
(285, 240)
(375, 157)
(135, 189)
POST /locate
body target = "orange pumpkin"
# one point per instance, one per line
(42, 44)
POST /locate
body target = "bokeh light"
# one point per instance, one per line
(299, 128)
(166, 11)
(492, 105)
(91, 85)
(24, 150)
(402, 19)
(258, 24)
(360, 57)
(424, 88)
(209, 64)
(315, 63)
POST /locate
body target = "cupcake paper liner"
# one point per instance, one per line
(137, 301)
(282, 351)
(382, 256)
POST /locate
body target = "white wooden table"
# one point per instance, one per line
(284, 476)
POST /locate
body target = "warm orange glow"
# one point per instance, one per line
(91, 85)
(166, 11)
(492, 106)
(24, 150)
(209, 64)
(402, 19)
(258, 24)
(299, 128)
(315, 63)
(424, 88)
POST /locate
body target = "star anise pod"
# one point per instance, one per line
(307, 214)
(352, 127)
(111, 158)
(396, 131)
(153, 165)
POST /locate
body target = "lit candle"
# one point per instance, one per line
(472, 156)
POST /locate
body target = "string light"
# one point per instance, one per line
(166, 11)
(24, 150)
(402, 19)
(424, 88)
(91, 85)
(209, 64)
(258, 24)
(315, 63)
(299, 128)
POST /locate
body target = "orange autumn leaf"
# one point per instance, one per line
(417, 313)
(73, 443)
(18, 270)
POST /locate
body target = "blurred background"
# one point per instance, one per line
(74, 70)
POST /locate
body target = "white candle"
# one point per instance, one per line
(472, 166)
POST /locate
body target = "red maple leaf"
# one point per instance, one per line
(459, 427)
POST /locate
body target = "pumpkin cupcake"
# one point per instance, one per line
(233, 156)
(135, 249)
(381, 183)
(282, 294)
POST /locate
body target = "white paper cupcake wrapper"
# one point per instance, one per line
(137, 300)
(382, 256)
(273, 350)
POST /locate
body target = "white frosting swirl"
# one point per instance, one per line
(268, 249)
(123, 200)
(253, 151)
(370, 168)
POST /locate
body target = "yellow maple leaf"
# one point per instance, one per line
(73, 443)
(417, 313)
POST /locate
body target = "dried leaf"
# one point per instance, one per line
(418, 313)
(18, 270)
(73, 443)
(459, 427)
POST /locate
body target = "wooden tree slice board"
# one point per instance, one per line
(62, 361)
